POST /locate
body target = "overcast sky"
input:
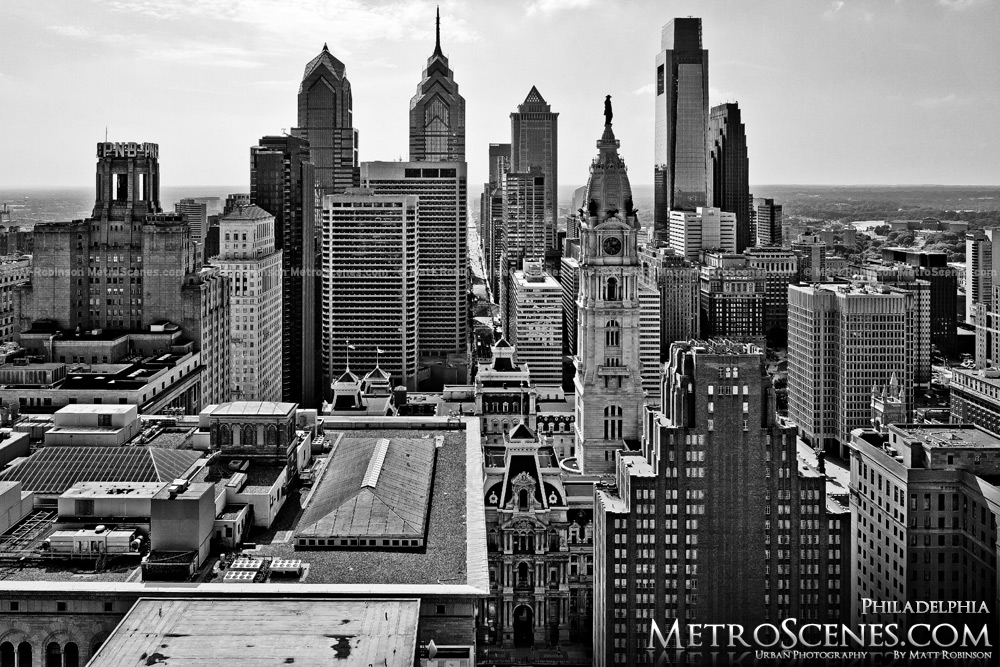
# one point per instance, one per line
(831, 92)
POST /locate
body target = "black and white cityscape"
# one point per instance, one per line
(512, 394)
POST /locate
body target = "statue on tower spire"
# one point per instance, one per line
(437, 33)
(608, 114)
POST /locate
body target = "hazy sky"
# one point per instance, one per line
(831, 92)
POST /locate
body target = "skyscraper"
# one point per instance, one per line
(282, 182)
(608, 380)
(326, 121)
(729, 182)
(130, 269)
(680, 151)
(196, 214)
(491, 215)
(370, 289)
(523, 230)
(536, 322)
(441, 238)
(707, 228)
(248, 257)
(437, 112)
(704, 524)
(534, 133)
(766, 222)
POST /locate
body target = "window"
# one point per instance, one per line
(440, 610)
(60, 606)
(612, 422)
(612, 333)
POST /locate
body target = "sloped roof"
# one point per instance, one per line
(522, 432)
(326, 59)
(373, 487)
(534, 97)
(52, 470)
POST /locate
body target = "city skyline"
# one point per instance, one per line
(891, 110)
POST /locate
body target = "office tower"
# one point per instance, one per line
(536, 322)
(371, 298)
(728, 181)
(975, 397)
(732, 299)
(649, 339)
(238, 199)
(196, 214)
(573, 219)
(491, 216)
(437, 112)
(326, 122)
(766, 222)
(128, 270)
(247, 256)
(843, 339)
(13, 271)
(441, 236)
(811, 251)
(707, 228)
(569, 278)
(678, 284)
(680, 151)
(780, 268)
(933, 267)
(904, 277)
(282, 182)
(534, 133)
(608, 371)
(716, 520)
(935, 485)
(523, 233)
(978, 271)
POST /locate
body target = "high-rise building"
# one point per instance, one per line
(441, 237)
(129, 269)
(14, 270)
(925, 506)
(491, 215)
(282, 182)
(729, 180)
(811, 251)
(437, 112)
(608, 379)
(933, 267)
(705, 524)
(326, 122)
(196, 214)
(523, 230)
(978, 271)
(780, 268)
(536, 322)
(678, 284)
(649, 339)
(707, 228)
(766, 222)
(733, 298)
(239, 199)
(843, 339)
(569, 278)
(680, 179)
(534, 133)
(370, 286)
(247, 256)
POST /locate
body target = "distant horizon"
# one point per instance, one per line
(577, 185)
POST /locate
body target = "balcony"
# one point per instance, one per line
(606, 371)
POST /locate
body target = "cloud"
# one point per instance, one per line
(716, 96)
(644, 90)
(70, 30)
(202, 54)
(937, 102)
(960, 5)
(552, 6)
(833, 9)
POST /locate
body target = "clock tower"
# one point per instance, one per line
(609, 395)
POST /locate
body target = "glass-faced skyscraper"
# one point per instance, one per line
(534, 131)
(680, 150)
(729, 182)
(437, 112)
(326, 121)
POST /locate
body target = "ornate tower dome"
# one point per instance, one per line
(609, 193)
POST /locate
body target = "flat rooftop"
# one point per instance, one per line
(264, 633)
(950, 435)
(95, 409)
(253, 408)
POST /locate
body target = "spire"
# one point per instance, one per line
(437, 34)
(326, 48)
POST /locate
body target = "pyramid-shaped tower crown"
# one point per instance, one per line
(534, 102)
(326, 61)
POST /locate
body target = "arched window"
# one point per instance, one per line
(24, 653)
(522, 500)
(53, 655)
(612, 333)
(7, 658)
(612, 422)
(71, 655)
(611, 290)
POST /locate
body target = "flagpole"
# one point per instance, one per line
(348, 356)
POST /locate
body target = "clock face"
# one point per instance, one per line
(612, 245)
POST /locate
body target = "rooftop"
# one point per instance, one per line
(949, 435)
(95, 409)
(53, 470)
(258, 408)
(192, 632)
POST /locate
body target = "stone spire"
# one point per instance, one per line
(437, 34)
